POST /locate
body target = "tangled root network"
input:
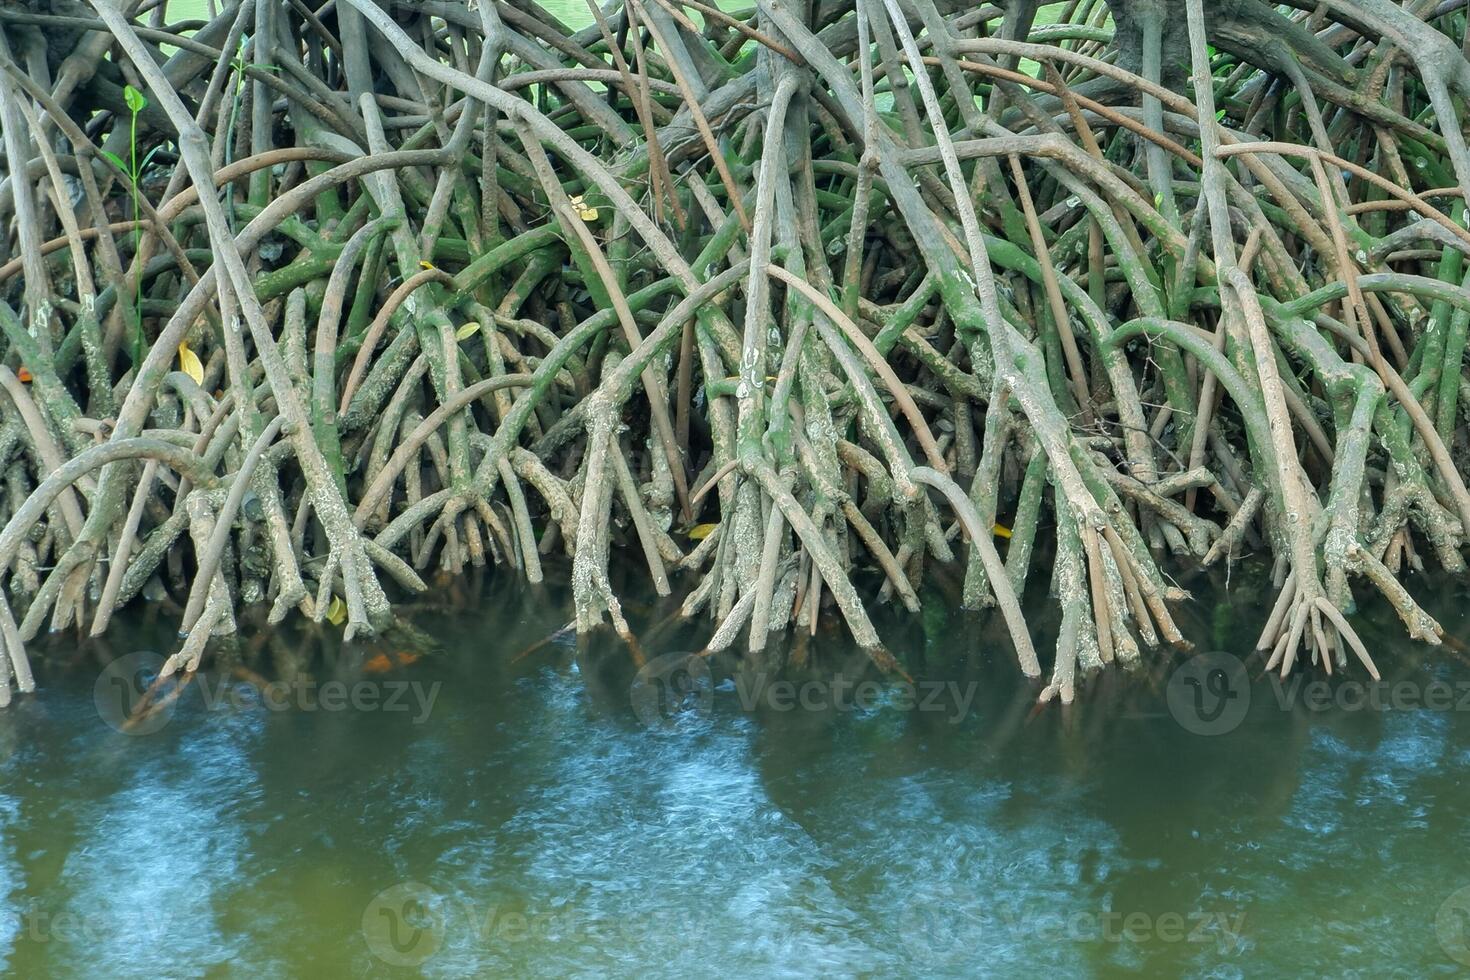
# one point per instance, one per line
(787, 303)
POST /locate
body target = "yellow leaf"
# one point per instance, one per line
(583, 211)
(190, 364)
(467, 331)
(1001, 531)
(701, 531)
(337, 611)
(425, 264)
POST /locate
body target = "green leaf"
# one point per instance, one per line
(117, 160)
(136, 100)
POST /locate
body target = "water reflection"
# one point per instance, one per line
(773, 816)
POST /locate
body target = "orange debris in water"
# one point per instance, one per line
(381, 663)
(23, 374)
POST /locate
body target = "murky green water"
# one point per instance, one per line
(503, 809)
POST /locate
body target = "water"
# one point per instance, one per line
(512, 812)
